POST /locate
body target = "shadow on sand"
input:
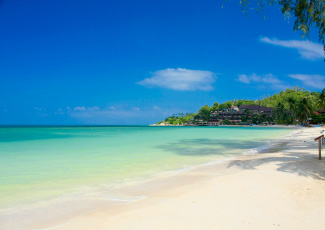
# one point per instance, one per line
(297, 160)
(206, 146)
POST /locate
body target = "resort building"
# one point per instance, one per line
(202, 123)
(241, 115)
(244, 114)
(234, 108)
(256, 109)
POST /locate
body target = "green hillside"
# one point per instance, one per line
(291, 106)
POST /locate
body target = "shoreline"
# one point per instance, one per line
(250, 126)
(157, 190)
(171, 204)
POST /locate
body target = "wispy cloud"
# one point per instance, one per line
(243, 78)
(308, 50)
(181, 79)
(83, 108)
(79, 108)
(266, 80)
(316, 81)
(270, 79)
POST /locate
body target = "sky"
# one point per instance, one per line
(128, 62)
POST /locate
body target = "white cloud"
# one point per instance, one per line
(308, 50)
(83, 108)
(112, 107)
(79, 108)
(316, 81)
(136, 108)
(155, 107)
(243, 78)
(268, 78)
(181, 79)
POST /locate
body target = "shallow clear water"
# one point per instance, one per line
(39, 163)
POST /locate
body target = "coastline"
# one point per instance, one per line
(257, 126)
(273, 189)
(218, 195)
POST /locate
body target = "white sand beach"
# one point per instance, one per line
(283, 188)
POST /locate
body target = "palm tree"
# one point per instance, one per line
(304, 109)
(321, 100)
(292, 103)
(280, 112)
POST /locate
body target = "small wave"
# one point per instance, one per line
(293, 133)
(186, 169)
(213, 162)
(125, 201)
(257, 150)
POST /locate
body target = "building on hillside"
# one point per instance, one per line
(245, 114)
(256, 109)
(212, 122)
(268, 110)
(234, 108)
(202, 123)
(239, 115)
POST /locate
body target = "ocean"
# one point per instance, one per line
(43, 163)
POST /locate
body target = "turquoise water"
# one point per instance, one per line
(40, 163)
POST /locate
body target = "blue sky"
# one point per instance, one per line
(136, 62)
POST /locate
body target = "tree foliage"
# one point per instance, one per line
(178, 119)
(215, 106)
(306, 13)
(205, 112)
(226, 105)
(321, 100)
(292, 95)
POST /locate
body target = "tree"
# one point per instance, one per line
(307, 13)
(292, 106)
(226, 122)
(204, 112)
(304, 109)
(215, 106)
(225, 105)
(280, 113)
(321, 100)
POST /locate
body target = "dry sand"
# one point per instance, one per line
(283, 188)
